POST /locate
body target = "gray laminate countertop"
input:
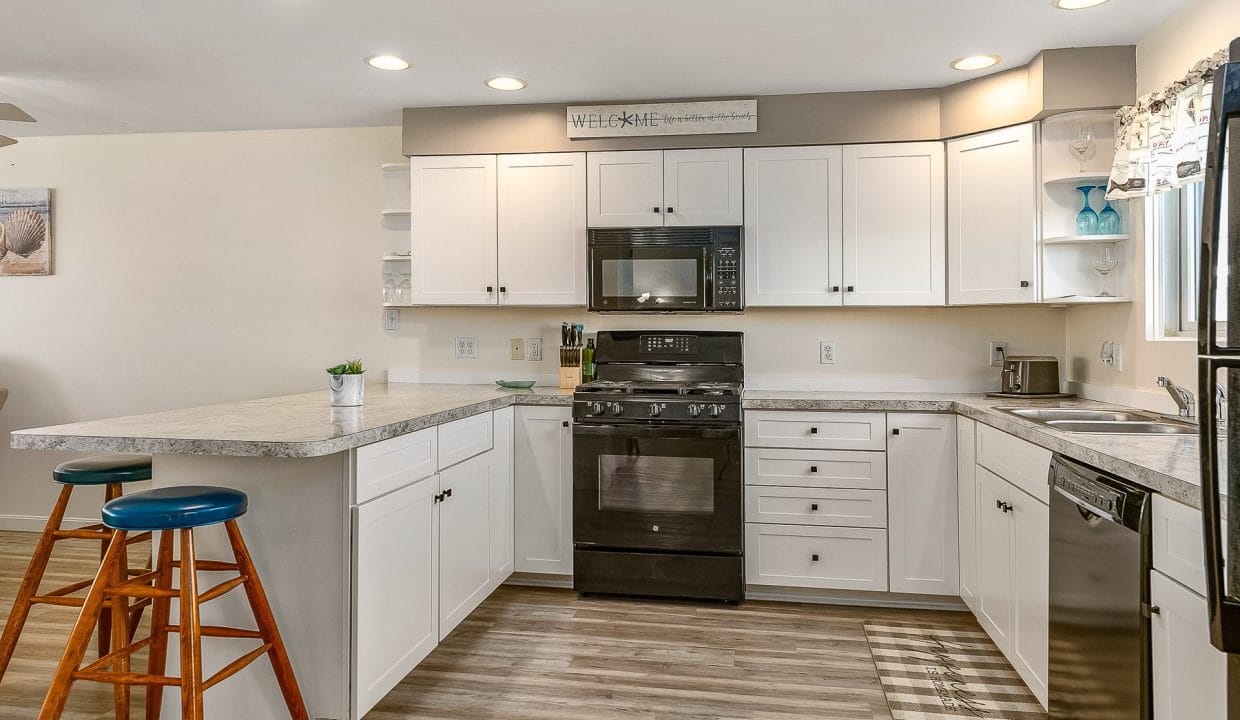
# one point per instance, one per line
(306, 426)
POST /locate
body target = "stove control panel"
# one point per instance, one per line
(663, 410)
(668, 345)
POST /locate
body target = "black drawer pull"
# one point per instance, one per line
(1024, 283)
(813, 431)
(814, 507)
(814, 557)
(895, 431)
(564, 424)
(813, 468)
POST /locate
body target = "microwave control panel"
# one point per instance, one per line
(727, 260)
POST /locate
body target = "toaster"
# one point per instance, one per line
(1030, 375)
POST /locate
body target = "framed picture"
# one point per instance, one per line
(25, 231)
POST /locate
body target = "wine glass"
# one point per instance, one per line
(389, 288)
(1086, 219)
(1081, 145)
(1104, 263)
(1108, 219)
(404, 290)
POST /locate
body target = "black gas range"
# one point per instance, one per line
(657, 467)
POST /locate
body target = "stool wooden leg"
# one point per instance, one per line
(30, 583)
(110, 493)
(160, 610)
(79, 639)
(191, 629)
(120, 633)
(267, 625)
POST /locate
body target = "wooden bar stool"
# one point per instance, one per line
(112, 471)
(179, 509)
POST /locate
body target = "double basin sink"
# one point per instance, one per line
(1102, 422)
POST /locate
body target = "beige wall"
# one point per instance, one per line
(189, 269)
(1163, 56)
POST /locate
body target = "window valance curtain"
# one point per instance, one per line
(1160, 143)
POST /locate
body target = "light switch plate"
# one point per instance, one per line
(467, 348)
(516, 349)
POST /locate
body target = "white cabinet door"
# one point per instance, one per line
(452, 230)
(1190, 676)
(544, 490)
(395, 589)
(1030, 635)
(542, 229)
(893, 224)
(625, 188)
(966, 493)
(992, 217)
(923, 533)
(793, 199)
(703, 187)
(501, 497)
(464, 539)
(994, 557)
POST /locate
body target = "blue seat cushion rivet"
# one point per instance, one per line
(175, 508)
(103, 469)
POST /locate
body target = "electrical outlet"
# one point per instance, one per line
(998, 353)
(516, 349)
(467, 348)
(391, 319)
(533, 349)
(826, 352)
(1117, 357)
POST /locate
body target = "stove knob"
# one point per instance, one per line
(716, 410)
(655, 410)
(595, 408)
(694, 410)
(616, 408)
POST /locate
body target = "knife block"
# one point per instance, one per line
(570, 377)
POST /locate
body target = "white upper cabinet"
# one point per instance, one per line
(894, 231)
(992, 217)
(921, 496)
(452, 230)
(624, 189)
(653, 188)
(793, 199)
(542, 229)
(703, 187)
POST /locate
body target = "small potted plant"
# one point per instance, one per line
(347, 383)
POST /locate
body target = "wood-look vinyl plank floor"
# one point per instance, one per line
(545, 654)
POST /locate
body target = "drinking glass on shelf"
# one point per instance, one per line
(1104, 263)
(1081, 144)
(1108, 219)
(1086, 219)
(404, 290)
(389, 288)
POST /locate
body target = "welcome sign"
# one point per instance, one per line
(687, 118)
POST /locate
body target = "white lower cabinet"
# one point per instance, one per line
(395, 594)
(544, 490)
(464, 540)
(1189, 674)
(502, 512)
(840, 558)
(966, 497)
(994, 556)
(921, 500)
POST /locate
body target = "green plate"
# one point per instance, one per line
(516, 384)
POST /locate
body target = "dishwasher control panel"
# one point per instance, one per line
(1091, 493)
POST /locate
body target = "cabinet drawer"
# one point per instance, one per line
(816, 468)
(815, 506)
(847, 558)
(816, 430)
(1179, 551)
(462, 439)
(392, 464)
(1021, 463)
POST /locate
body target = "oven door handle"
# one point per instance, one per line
(677, 432)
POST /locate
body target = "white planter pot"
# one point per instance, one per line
(346, 390)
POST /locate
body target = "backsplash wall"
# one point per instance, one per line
(877, 348)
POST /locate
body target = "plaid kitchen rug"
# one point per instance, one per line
(935, 673)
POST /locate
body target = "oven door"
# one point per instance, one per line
(659, 487)
(661, 278)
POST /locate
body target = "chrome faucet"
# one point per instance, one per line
(1183, 398)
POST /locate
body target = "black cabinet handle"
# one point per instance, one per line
(813, 431)
(503, 289)
(490, 288)
(813, 468)
(1155, 610)
(814, 557)
(998, 504)
(438, 498)
(564, 424)
(669, 209)
(835, 288)
(814, 507)
(447, 493)
(1024, 283)
(895, 431)
(656, 209)
(849, 288)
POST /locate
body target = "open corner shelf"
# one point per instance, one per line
(1083, 239)
(395, 167)
(1077, 179)
(397, 258)
(393, 212)
(1087, 300)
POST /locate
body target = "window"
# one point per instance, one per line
(1177, 226)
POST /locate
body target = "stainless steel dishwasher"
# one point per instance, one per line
(1099, 596)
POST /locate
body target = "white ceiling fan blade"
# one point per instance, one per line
(12, 113)
(6, 141)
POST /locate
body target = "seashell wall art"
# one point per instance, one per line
(25, 231)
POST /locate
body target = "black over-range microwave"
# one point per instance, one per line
(680, 269)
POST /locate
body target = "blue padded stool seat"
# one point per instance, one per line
(103, 470)
(175, 508)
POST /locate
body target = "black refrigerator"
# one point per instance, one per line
(1218, 360)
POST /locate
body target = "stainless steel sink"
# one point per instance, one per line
(1122, 427)
(1046, 415)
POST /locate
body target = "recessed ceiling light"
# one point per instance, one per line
(505, 83)
(1077, 4)
(388, 62)
(975, 62)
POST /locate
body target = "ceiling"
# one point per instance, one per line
(85, 66)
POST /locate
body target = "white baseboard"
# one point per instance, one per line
(540, 580)
(36, 523)
(1157, 401)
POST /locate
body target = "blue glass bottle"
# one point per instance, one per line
(1086, 219)
(1108, 219)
